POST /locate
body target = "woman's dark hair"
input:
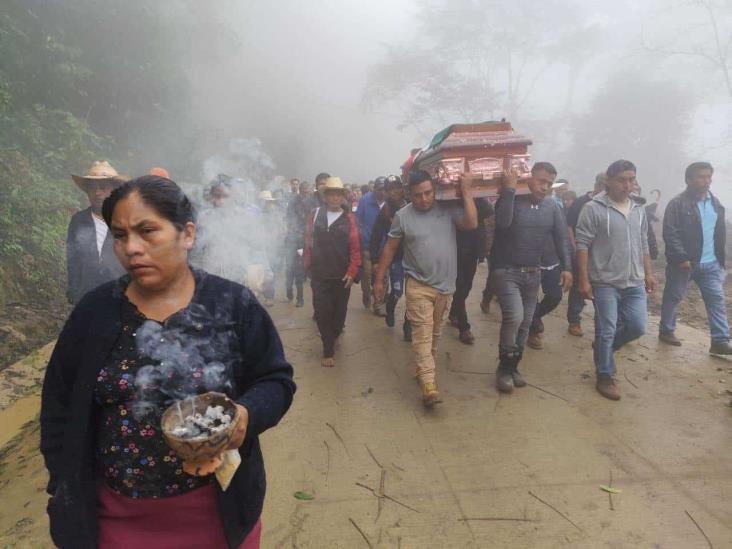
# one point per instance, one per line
(161, 194)
(545, 166)
(418, 176)
(620, 166)
(695, 167)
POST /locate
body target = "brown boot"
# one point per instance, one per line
(430, 394)
(467, 337)
(575, 329)
(669, 338)
(536, 341)
(607, 388)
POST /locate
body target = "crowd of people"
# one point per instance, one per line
(394, 238)
(132, 259)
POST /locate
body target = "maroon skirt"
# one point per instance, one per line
(190, 521)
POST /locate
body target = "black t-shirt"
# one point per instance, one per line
(575, 209)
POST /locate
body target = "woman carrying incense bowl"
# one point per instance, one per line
(129, 350)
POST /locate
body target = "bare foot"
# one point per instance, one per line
(328, 362)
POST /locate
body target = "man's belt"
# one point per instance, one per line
(525, 269)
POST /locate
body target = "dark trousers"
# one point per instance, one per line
(330, 302)
(466, 265)
(550, 280)
(488, 290)
(295, 272)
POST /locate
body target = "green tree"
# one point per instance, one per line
(471, 60)
(81, 80)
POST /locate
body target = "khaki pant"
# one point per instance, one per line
(426, 309)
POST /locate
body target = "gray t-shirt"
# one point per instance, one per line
(430, 251)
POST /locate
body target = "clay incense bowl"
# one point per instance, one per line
(200, 447)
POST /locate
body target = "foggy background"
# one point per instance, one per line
(340, 86)
(349, 87)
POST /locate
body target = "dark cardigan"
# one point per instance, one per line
(222, 310)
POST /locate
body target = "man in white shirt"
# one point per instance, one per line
(90, 259)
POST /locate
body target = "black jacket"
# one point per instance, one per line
(522, 229)
(223, 311)
(682, 230)
(85, 268)
(473, 242)
(297, 219)
(335, 251)
(380, 231)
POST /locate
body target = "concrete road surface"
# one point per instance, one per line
(480, 470)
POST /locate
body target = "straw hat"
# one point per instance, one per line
(333, 184)
(101, 170)
(266, 195)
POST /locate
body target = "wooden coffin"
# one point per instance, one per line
(486, 149)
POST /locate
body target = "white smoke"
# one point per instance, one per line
(245, 158)
(182, 363)
(241, 237)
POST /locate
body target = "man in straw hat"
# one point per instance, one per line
(332, 258)
(90, 259)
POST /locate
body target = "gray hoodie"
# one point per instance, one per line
(616, 245)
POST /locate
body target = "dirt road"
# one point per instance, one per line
(480, 470)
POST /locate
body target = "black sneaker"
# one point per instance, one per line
(300, 302)
(289, 294)
(720, 348)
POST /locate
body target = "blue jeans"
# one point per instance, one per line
(710, 279)
(620, 317)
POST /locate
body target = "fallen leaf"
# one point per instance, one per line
(609, 490)
(307, 496)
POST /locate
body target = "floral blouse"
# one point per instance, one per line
(132, 455)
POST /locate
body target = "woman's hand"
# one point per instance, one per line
(201, 467)
(207, 466)
(240, 431)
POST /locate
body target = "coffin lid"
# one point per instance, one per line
(483, 134)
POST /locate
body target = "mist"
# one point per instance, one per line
(329, 86)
